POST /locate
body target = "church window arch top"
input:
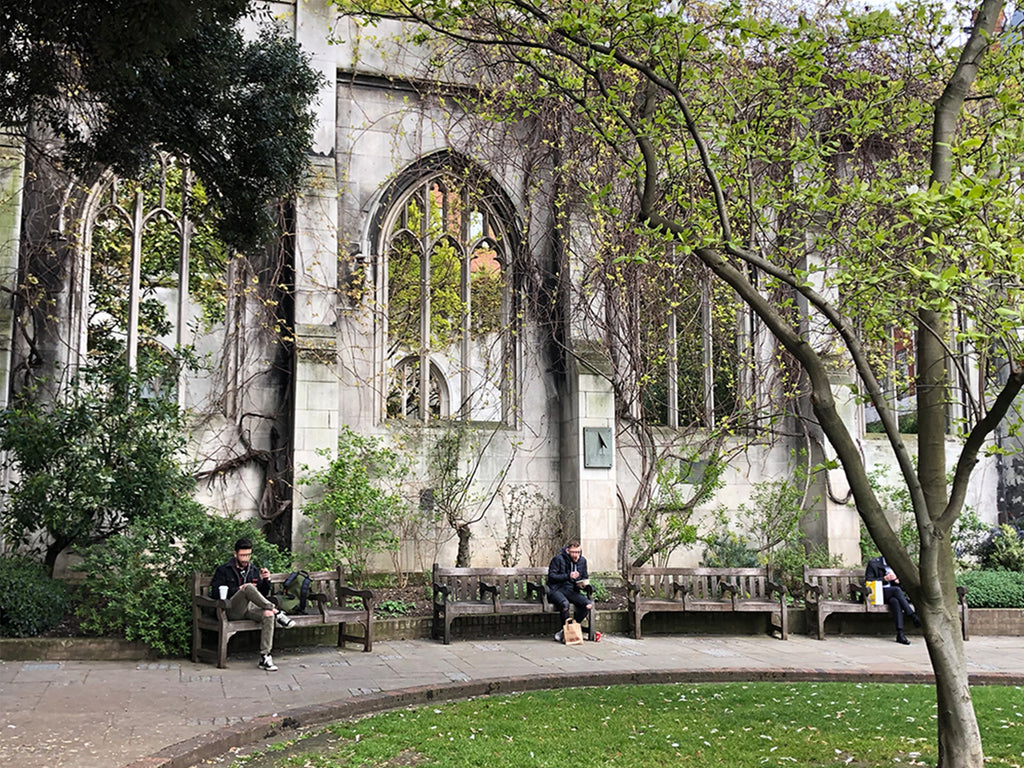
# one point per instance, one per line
(446, 253)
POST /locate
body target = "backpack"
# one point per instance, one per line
(295, 592)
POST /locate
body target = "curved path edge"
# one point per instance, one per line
(192, 751)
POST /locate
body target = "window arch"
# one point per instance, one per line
(445, 245)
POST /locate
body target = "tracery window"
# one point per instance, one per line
(447, 256)
(152, 259)
(690, 331)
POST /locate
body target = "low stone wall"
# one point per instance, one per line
(984, 621)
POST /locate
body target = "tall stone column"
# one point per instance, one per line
(12, 179)
(315, 408)
(588, 456)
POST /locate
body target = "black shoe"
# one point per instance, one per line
(902, 639)
(917, 621)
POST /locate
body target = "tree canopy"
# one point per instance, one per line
(113, 82)
(853, 177)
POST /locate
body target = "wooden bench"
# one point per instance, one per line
(696, 590)
(491, 592)
(329, 602)
(844, 590)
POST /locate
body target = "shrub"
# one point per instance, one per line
(1004, 551)
(726, 549)
(139, 585)
(30, 602)
(787, 565)
(993, 589)
(601, 593)
(358, 506)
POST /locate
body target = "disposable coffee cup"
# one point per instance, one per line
(582, 583)
(223, 589)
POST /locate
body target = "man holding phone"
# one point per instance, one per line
(248, 596)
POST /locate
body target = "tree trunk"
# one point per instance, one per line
(462, 558)
(958, 734)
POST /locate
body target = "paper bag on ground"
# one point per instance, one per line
(875, 598)
(572, 632)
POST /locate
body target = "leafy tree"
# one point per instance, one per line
(358, 504)
(456, 492)
(113, 81)
(87, 466)
(851, 177)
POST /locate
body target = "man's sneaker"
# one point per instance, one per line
(285, 621)
(267, 663)
(559, 637)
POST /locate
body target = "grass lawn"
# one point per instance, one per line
(732, 725)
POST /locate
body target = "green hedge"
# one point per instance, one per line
(993, 589)
(30, 601)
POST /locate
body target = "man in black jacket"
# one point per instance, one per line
(248, 590)
(892, 593)
(566, 574)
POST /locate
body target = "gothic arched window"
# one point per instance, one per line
(446, 254)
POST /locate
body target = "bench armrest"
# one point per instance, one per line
(774, 587)
(485, 587)
(961, 595)
(725, 586)
(443, 590)
(542, 591)
(859, 592)
(495, 597)
(812, 590)
(679, 591)
(202, 601)
(366, 595)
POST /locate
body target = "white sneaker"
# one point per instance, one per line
(285, 621)
(559, 637)
(267, 663)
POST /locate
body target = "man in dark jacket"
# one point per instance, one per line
(248, 593)
(566, 574)
(892, 593)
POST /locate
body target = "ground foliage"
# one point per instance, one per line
(729, 725)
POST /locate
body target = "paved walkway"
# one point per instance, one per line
(97, 714)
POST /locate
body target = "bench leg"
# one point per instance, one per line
(341, 634)
(368, 635)
(197, 641)
(638, 617)
(222, 650)
(783, 625)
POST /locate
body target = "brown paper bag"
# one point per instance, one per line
(572, 632)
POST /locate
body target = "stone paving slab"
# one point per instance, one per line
(171, 713)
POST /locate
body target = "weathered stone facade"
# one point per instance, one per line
(267, 409)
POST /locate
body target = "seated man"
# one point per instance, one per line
(892, 593)
(248, 597)
(565, 573)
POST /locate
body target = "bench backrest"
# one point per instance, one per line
(701, 583)
(464, 583)
(834, 583)
(326, 582)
